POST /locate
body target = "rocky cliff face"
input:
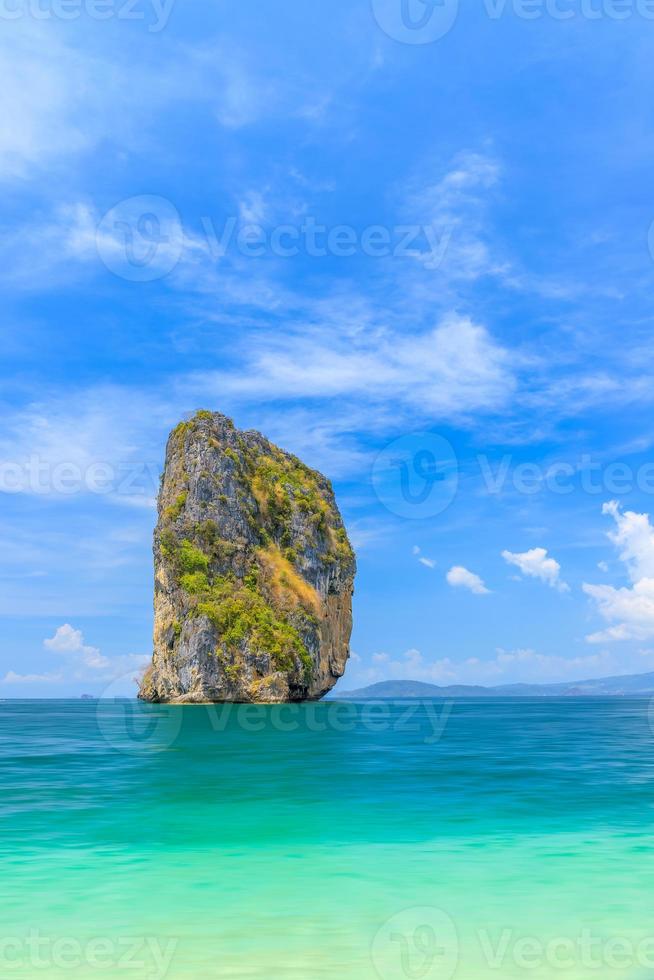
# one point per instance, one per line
(253, 572)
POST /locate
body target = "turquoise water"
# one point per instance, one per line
(476, 839)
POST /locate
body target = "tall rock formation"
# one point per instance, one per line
(254, 572)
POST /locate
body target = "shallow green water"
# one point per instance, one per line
(480, 839)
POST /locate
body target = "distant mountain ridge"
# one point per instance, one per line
(619, 686)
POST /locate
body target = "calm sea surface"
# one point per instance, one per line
(472, 839)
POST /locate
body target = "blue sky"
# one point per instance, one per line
(398, 254)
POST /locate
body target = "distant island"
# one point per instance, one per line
(627, 685)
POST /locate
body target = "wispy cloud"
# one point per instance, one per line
(423, 559)
(42, 82)
(449, 371)
(11, 677)
(81, 442)
(456, 205)
(521, 666)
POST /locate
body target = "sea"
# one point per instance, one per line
(508, 838)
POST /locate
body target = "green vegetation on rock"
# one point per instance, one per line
(173, 512)
(238, 610)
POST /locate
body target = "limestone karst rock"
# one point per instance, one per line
(254, 572)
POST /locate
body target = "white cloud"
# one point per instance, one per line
(81, 662)
(41, 81)
(253, 209)
(633, 608)
(75, 239)
(70, 641)
(629, 610)
(86, 663)
(455, 208)
(242, 89)
(11, 677)
(449, 371)
(427, 562)
(535, 563)
(80, 442)
(634, 538)
(460, 577)
(60, 99)
(60, 567)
